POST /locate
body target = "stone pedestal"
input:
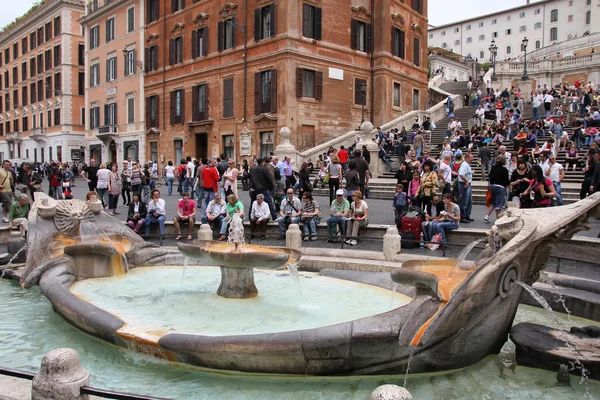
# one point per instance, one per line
(61, 377)
(237, 283)
(526, 88)
(205, 233)
(391, 243)
(286, 149)
(293, 237)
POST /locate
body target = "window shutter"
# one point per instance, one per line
(126, 65)
(273, 107)
(318, 85)
(257, 86)
(353, 34)
(195, 111)
(299, 82)
(147, 60)
(369, 38)
(148, 112)
(306, 20)
(134, 58)
(257, 24)
(115, 114)
(394, 43)
(195, 43)
(182, 105)
(171, 51)
(233, 34)
(273, 20)
(416, 52)
(114, 68)
(107, 30)
(172, 108)
(155, 59)
(357, 96)
(156, 9)
(220, 35)
(205, 108)
(173, 6)
(318, 23)
(107, 69)
(205, 41)
(157, 113)
(106, 114)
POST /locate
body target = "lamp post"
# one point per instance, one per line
(524, 46)
(493, 52)
(363, 94)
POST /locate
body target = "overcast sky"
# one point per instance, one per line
(440, 11)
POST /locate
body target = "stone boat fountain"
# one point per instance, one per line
(458, 315)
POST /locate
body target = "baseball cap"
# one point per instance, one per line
(339, 192)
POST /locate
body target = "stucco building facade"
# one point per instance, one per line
(41, 93)
(216, 67)
(114, 84)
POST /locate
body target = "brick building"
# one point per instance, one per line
(214, 67)
(114, 85)
(41, 90)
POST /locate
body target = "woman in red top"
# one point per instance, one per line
(542, 188)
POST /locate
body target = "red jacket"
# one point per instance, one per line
(343, 156)
(210, 176)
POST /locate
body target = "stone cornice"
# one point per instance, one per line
(25, 26)
(227, 10)
(105, 9)
(361, 13)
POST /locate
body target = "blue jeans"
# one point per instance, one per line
(535, 113)
(310, 226)
(161, 223)
(418, 151)
(209, 196)
(558, 190)
(428, 229)
(466, 201)
(218, 221)
(187, 184)
(200, 195)
(442, 227)
(224, 226)
(333, 223)
(170, 181)
(283, 220)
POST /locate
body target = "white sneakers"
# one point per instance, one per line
(351, 242)
(486, 218)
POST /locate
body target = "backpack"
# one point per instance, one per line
(277, 174)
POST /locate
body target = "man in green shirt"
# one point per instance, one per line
(19, 211)
(338, 219)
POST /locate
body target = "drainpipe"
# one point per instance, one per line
(164, 69)
(245, 31)
(372, 94)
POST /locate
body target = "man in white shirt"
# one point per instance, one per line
(465, 177)
(289, 212)
(548, 99)
(156, 213)
(188, 184)
(259, 217)
(536, 101)
(479, 116)
(556, 173)
(445, 172)
(215, 211)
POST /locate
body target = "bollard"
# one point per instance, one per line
(293, 237)
(205, 233)
(391, 243)
(61, 377)
(391, 392)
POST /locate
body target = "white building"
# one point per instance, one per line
(543, 22)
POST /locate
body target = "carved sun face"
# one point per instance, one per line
(70, 214)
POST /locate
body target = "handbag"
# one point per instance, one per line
(326, 179)
(65, 184)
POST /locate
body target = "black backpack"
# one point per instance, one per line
(277, 174)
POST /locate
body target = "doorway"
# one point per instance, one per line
(201, 150)
(113, 152)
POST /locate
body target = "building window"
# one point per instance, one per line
(443, 33)
(130, 19)
(94, 75)
(94, 117)
(57, 27)
(25, 129)
(81, 55)
(81, 83)
(398, 43)
(48, 59)
(507, 32)
(152, 8)
(226, 35)
(481, 55)
(110, 29)
(24, 96)
(359, 95)
(130, 110)
(176, 50)
(32, 67)
(48, 31)
(554, 16)
(570, 18)
(456, 42)
(49, 91)
(468, 27)
(58, 83)
(396, 94)
(6, 79)
(536, 11)
(177, 107)
(538, 44)
(94, 35)
(588, 17)
(15, 99)
(415, 99)
(32, 41)
(311, 21)
(200, 42)
(417, 5)
(129, 64)
(40, 36)
(456, 30)
(15, 75)
(508, 17)
(361, 36)
(508, 49)
(494, 21)
(522, 28)
(32, 93)
(40, 90)
(265, 92)
(469, 40)
(417, 51)
(481, 37)
(177, 5)
(200, 103)
(24, 46)
(152, 112)
(110, 114)
(266, 143)
(178, 147)
(151, 58)
(431, 36)
(111, 69)
(480, 24)
(444, 45)
(57, 58)
(264, 22)
(57, 117)
(309, 83)
(494, 34)
(537, 25)
(522, 15)
(227, 97)
(554, 34)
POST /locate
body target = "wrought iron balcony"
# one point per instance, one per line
(107, 129)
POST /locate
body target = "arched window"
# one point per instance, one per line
(538, 44)
(481, 55)
(554, 34)
(508, 49)
(569, 37)
(554, 15)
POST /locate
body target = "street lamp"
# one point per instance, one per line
(363, 93)
(493, 53)
(524, 46)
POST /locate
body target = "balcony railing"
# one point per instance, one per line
(107, 129)
(38, 134)
(13, 137)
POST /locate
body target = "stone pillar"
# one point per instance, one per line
(205, 233)
(61, 377)
(391, 243)
(376, 166)
(526, 88)
(293, 237)
(390, 392)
